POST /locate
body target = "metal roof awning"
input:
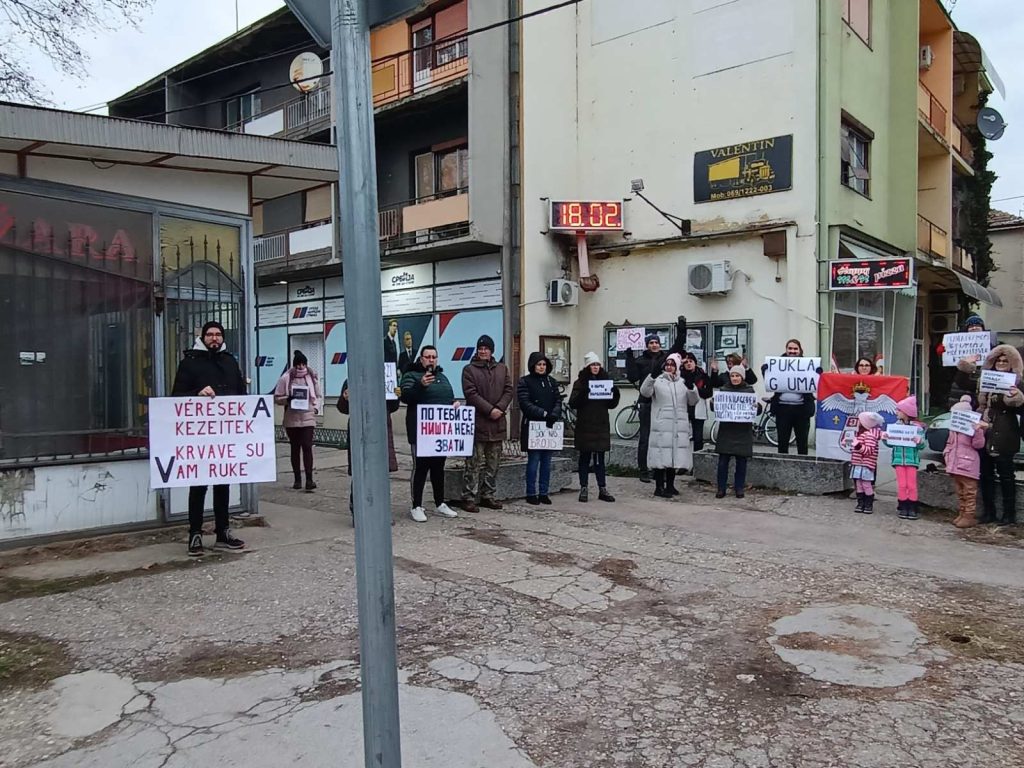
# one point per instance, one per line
(276, 167)
(976, 290)
(971, 58)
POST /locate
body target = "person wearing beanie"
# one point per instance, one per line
(967, 373)
(906, 458)
(669, 449)
(593, 425)
(735, 439)
(695, 376)
(209, 370)
(963, 464)
(864, 459)
(487, 387)
(650, 363)
(298, 390)
(1002, 439)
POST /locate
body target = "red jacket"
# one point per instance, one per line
(865, 448)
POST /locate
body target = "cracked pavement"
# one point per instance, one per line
(776, 631)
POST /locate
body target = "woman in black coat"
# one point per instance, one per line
(593, 425)
(539, 400)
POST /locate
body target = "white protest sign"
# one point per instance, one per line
(735, 406)
(544, 438)
(211, 441)
(792, 374)
(630, 338)
(957, 346)
(601, 389)
(300, 399)
(998, 381)
(902, 435)
(390, 380)
(444, 430)
(964, 422)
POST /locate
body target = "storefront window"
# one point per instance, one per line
(857, 327)
(76, 308)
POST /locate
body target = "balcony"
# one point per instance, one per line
(963, 152)
(405, 74)
(425, 220)
(963, 262)
(932, 239)
(305, 241)
(931, 112)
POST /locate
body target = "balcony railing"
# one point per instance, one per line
(425, 220)
(314, 107)
(932, 111)
(961, 143)
(396, 77)
(932, 239)
(962, 260)
(300, 241)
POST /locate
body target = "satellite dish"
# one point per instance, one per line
(990, 123)
(305, 72)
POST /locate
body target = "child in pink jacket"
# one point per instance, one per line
(864, 459)
(963, 464)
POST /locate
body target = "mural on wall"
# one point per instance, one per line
(335, 358)
(457, 333)
(272, 358)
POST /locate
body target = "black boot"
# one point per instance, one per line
(603, 495)
(860, 503)
(645, 476)
(310, 485)
(869, 504)
(584, 492)
(911, 508)
(297, 485)
(670, 483)
(659, 483)
(901, 508)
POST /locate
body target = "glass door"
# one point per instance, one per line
(423, 54)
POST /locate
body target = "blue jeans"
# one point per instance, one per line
(723, 472)
(538, 460)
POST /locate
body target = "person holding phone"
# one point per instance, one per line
(425, 384)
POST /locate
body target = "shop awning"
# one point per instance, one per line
(976, 290)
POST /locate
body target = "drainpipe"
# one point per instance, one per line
(824, 319)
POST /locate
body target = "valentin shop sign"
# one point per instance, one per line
(842, 396)
(211, 441)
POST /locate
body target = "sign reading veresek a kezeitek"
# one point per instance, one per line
(734, 407)
(798, 375)
(445, 430)
(211, 441)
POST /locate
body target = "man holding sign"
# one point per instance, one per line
(487, 385)
(209, 370)
(425, 384)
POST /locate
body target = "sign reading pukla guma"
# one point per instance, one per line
(870, 274)
(750, 168)
(211, 441)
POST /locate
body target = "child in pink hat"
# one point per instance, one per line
(864, 459)
(906, 458)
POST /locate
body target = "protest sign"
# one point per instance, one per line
(544, 438)
(792, 374)
(735, 406)
(601, 389)
(211, 441)
(998, 381)
(300, 399)
(964, 422)
(444, 430)
(902, 435)
(957, 346)
(630, 338)
(390, 381)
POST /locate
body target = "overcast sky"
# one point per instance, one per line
(174, 30)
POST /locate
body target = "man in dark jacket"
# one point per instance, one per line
(208, 370)
(487, 386)
(651, 363)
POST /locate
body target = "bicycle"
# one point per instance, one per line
(568, 412)
(764, 427)
(627, 420)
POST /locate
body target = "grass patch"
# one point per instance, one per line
(618, 470)
(975, 636)
(28, 661)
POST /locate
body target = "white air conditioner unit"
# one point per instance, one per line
(709, 277)
(944, 302)
(563, 293)
(925, 57)
(943, 323)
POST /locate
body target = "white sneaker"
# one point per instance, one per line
(445, 511)
(418, 514)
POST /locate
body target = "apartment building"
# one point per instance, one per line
(442, 145)
(792, 147)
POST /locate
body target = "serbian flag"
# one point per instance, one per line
(842, 396)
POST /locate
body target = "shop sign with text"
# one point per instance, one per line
(870, 274)
(750, 168)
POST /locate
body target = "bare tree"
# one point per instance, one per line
(53, 28)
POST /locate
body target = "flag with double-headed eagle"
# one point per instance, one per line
(842, 396)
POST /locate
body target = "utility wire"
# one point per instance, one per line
(436, 43)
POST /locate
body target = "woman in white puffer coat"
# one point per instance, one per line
(669, 448)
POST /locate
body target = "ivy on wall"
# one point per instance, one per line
(976, 204)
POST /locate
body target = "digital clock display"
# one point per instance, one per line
(584, 215)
